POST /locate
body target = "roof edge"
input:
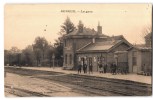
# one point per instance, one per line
(84, 46)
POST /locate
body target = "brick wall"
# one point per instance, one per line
(73, 44)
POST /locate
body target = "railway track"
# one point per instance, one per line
(116, 88)
(137, 85)
(23, 93)
(29, 72)
(98, 85)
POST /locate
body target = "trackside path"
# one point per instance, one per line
(131, 77)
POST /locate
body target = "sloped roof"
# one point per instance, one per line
(100, 46)
(141, 47)
(86, 31)
(105, 46)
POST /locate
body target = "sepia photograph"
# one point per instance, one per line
(77, 50)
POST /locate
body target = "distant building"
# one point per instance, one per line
(140, 59)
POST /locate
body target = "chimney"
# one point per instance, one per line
(99, 28)
(80, 27)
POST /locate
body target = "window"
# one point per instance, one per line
(101, 59)
(134, 58)
(66, 59)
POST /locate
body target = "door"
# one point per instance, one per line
(134, 69)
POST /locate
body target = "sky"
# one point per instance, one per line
(24, 22)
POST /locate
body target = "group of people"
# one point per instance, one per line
(84, 66)
(113, 68)
(118, 70)
(103, 68)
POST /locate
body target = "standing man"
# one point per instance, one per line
(90, 68)
(114, 68)
(100, 68)
(105, 68)
(84, 69)
(79, 68)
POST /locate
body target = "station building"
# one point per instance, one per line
(85, 45)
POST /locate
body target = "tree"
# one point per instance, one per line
(39, 47)
(14, 50)
(14, 56)
(67, 26)
(37, 53)
(59, 52)
(27, 56)
(6, 57)
(50, 51)
(147, 35)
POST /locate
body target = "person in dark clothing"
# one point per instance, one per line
(124, 70)
(100, 66)
(90, 68)
(105, 68)
(114, 69)
(79, 68)
(85, 68)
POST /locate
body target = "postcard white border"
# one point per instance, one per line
(3, 2)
